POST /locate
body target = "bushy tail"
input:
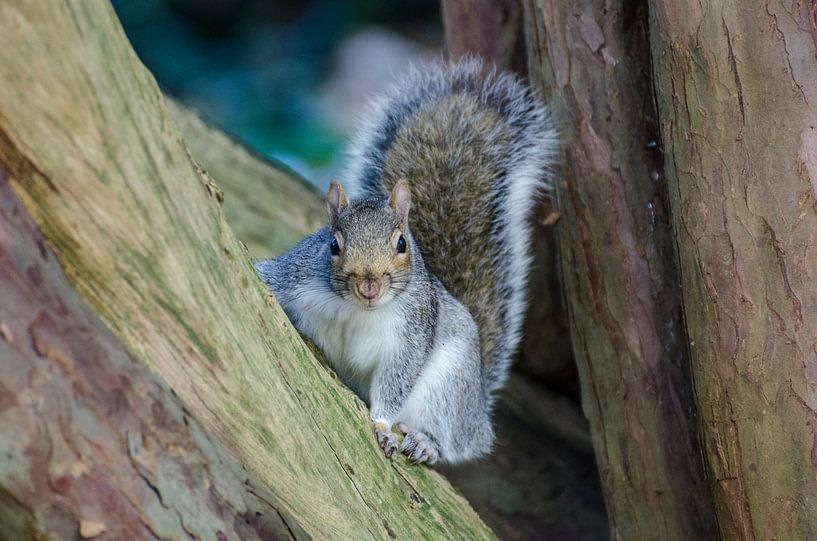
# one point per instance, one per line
(477, 151)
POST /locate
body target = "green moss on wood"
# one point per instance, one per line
(101, 166)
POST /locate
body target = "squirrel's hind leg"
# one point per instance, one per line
(418, 447)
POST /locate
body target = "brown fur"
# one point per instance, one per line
(367, 233)
(455, 254)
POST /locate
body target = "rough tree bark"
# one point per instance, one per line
(619, 267)
(268, 206)
(89, 440)
(136, 226)
(736, 85)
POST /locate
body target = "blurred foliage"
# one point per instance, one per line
(254, 67)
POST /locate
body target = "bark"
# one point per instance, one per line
(618, 266)
(489, 29)
(736, 85)
(88, 437)
(267, 205)
(137, 228)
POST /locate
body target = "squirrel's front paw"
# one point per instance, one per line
(385, 438)
(417, 446)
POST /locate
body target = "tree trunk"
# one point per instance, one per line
(267, 205)
(89, 440)
(136, 225)
(489, 29)
(736, 85)
(619, 265)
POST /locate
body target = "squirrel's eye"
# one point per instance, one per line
(401, 245)
(334, 246)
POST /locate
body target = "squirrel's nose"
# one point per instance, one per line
(368, 289)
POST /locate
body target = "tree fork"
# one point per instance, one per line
(137, 228)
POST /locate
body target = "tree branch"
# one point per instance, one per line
(136, 225)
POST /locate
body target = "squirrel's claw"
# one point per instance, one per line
(386, 439)
(417, 447)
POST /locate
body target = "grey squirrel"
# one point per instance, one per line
(416, 288)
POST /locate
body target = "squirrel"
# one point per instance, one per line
(416, 288)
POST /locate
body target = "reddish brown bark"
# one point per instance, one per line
(489, 29)
(619, 267)
(89, 439)
(736, 85)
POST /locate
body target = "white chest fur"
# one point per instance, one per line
(354, 340)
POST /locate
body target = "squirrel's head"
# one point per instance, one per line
(369, 245)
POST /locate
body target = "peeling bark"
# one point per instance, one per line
(619, 266)
(89, 439)
(736, 85)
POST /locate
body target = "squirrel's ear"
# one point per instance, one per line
(401, 200)
(335, 200)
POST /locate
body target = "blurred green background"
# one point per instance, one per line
(289, 79)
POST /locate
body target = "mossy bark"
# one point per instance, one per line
(736, 86)
(137, 227)
(267, 205)
(89, 439)
(619, 266)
